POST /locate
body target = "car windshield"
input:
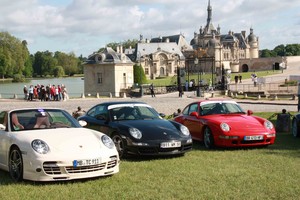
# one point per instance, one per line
(40, 119)
(223, 107)
(132, 112)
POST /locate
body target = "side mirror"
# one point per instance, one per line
(249, 112)
(101, 117)
(195, 114)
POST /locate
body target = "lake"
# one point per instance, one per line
(74, 85)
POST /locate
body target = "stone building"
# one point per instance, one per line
(107, 73)
(160, 57)
(226, 49)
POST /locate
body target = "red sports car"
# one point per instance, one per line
(224, 123)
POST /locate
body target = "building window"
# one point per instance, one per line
(147, 71)
(99, 78)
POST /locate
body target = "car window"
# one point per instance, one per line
(133, 113)
(41, 118)
(97, 111)
(220, 108)
(193, 108)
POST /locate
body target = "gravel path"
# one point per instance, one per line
(167, 103)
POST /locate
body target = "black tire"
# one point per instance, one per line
(15, 164)
(295, 128)
(119, 143)
(208, 138)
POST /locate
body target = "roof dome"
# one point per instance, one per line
(252, 38)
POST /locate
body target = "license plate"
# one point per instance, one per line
(86, 162)
(254, 137)
(172, 144)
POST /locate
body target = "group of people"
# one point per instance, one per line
(45, 93)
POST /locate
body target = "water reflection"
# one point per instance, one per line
(74, 85)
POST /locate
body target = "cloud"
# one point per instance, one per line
(87, 25)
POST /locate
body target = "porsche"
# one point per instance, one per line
(50, 145)
(224, 123)
(138, 129)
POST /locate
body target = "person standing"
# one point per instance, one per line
(255, 80)
(25, 90)
(180, 90)
(30, 93)
(152, 90)
(186, 86)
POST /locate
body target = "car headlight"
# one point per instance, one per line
(136, 133)
(225, 127)
(40, 146)
(268, 125)
(107, 141)
(184, 130)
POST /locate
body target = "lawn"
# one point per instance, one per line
(252, 173)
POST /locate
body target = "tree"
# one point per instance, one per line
(139, 74)
(44, 63)
(14, 54)
(69, 62)
(267, 53)
(58, 71)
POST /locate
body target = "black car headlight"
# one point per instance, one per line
(136, 133)
(40, 146)
(107, 141)
(184, 130)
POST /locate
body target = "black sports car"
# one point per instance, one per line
(137, 128)
(296, 125)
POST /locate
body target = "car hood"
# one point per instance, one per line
(73, 140)
(241, 123)
(154, 129)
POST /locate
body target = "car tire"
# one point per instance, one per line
(15, 164)
(295, 128)
(208, 138)
(119, 143)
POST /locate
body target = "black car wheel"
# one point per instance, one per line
(119, 143)
(15, 164)
(208, 138)
(295, 128)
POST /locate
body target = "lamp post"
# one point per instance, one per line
(196, 61)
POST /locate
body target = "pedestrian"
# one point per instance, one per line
(186, 85)
(25, 90)
(191, 85)
(79, 112)
(175, 114)
(151, 88)
(30, 97)
(240, 77)
(236, 79)
(180, 90)
(255, 80)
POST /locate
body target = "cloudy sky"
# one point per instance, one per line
(84, 26)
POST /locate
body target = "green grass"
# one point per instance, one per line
(250, 173)
(207, 76)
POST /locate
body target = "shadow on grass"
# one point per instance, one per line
(6, 180)
(284, 141)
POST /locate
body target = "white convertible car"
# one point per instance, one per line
(50, 145)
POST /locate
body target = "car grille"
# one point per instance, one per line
(52, 168)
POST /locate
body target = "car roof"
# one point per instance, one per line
(121, 102)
